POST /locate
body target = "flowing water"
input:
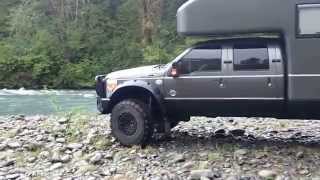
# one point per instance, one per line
(32, 102)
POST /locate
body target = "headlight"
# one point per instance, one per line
(111, 85)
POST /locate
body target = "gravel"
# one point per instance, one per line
(80, 146)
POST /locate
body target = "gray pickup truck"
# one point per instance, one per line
(262, 76)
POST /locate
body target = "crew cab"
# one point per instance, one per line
(232, 77)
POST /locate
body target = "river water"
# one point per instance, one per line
(33, 102)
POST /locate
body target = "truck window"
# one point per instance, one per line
(250, 57)
(201, 60)
(308, 20)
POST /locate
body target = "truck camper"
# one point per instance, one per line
(263, 61)
(296, 21)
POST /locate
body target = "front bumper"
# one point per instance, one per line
(103, 105)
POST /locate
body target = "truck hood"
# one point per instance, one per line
(139, 72)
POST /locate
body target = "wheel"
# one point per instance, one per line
(101, 107)
(131, 122)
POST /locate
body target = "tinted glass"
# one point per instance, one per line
(250, 58)
(309, 23)
(201, 60)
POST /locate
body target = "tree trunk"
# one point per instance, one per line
(150, 18)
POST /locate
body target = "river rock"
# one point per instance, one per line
(31, 159)
(75, 146)
(44, 154)
(60, 140)
(9, 162)
(95, 158)
(300, 155)
(14, 144)
(63, 120)
(55, 157)
(237, 132)
(197, 174)
(304, 172)
(65, 158)
(241, 152)
(56, 166)
(179, 158)
(12, 176)
(2, 147)
(204, 178)
(220, 133)
(267, 174)
(33, 146)
(120, 177)
(188, 165)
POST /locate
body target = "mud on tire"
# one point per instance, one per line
(131, 122)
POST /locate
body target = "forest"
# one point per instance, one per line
(63, 44)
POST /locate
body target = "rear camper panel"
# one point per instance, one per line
(298, 21)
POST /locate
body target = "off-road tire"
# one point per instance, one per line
(142, 116)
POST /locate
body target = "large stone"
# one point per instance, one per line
(267, 173)
(14, 144)
(63, 120)
(91, 136)
(237, 132)
(55, 157)
(220, 133)
(31, 159)
(179, 158)
(197, 174)
(95, 158)
(120, 177)
(33, 146)
(65, 158)
(75, 146)
(188, 165)
(300, 155)
(44, 154)
(60, 140)
(12, 176)
(9, 162)
(2, 147)
(56, 166)
(241, 152)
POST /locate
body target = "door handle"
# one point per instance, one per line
(269, 83)
(276, 60)
(227, 62)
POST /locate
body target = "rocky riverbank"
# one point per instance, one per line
(78, 146)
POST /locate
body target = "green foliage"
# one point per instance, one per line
(64, 44)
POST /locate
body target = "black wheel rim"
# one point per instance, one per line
(127, 124)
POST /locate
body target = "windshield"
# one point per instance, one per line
(180, 56)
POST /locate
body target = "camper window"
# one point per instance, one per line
(248, 58)
(308, 20)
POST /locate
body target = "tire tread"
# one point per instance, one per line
(147, 117)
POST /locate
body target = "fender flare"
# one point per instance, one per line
(154, 92)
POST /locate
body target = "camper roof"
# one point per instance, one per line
(216, 17)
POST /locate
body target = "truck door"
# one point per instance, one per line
(200, 81)
(256, 79)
